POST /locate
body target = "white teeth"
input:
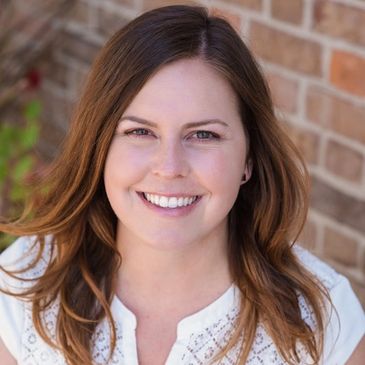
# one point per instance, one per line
(170, 202)
(164, 201)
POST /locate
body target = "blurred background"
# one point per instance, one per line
(312, 52)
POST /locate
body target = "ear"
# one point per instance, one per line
(247, 172)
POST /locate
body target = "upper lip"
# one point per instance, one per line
(172, 194)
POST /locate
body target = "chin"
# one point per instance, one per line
(170, 241)
(168, 244)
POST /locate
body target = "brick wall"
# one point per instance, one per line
(313, 53)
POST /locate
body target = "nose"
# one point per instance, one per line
(170, 160)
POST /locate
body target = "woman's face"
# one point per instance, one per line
(177, 159)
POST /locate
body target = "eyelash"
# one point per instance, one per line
(135, 133)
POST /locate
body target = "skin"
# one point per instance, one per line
(5, 356)
(171, 159)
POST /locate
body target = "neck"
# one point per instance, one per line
(153, 280)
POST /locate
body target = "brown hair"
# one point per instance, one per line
(70, 203)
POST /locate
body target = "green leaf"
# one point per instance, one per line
(17, 193)
(32, 110)
(22, 167)
(3, 170)
(29, 135)
(8, 137)
(3, 161)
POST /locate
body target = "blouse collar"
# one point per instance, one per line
(190, 324)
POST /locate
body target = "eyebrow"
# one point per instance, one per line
(188, 125)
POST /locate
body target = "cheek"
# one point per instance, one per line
(221, 170)
(124, 165)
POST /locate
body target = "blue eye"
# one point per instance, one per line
(139, 132)
(201, 136)
(206, 135)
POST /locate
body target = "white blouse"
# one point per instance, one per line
(199, 336)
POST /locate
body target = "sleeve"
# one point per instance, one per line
(346, 325)
(11, 308)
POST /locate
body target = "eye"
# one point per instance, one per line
(138, 132)
(205, 135)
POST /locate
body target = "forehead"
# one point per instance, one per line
(188, 89)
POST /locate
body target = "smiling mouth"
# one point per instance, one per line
(170, 201)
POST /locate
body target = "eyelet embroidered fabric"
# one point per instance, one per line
(197, 349)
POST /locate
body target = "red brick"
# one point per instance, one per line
(38, 11)
(80, 13)
(348, 120)
(125, 2)
(318, 104)
(54, 71)
(306, 141)
(78, 77)
(285, 49)
(250, 4)
(152, 4)
(341, 207)
(336, 114)
(308, 237)
(340, 247)
(26, 18)
(284, 92)
(109, 22)
(340, 21)
(77, 47)
(233, 19)
(30, 6)
(56, 109)
(344, 161)
(288, 11)
(348, 72)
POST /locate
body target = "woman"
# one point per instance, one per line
(165, 231)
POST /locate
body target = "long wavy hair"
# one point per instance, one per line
(70, 204)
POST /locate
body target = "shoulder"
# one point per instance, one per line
(323, 272)
(345, 322)
(19, 255)
(17, 250)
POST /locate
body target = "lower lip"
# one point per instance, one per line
(170, 212)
